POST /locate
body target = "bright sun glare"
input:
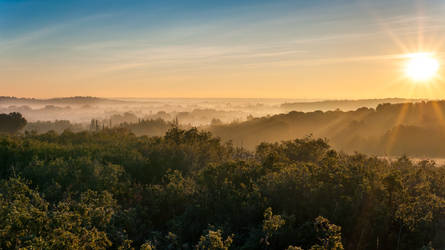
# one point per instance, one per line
(421, 67)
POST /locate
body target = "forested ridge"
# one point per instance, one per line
(189, 190)
(415, 129)
(345, 105)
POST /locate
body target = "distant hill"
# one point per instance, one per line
(75, 100)
(416, 129)
(345, 105)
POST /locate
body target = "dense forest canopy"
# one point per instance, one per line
(189, 190)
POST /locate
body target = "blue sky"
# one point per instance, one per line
(213, 48)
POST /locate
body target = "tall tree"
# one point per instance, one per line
(12, 122)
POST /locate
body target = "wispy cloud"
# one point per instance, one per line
(34, 35)
(327, 61)
(139, 53)
(189, 56)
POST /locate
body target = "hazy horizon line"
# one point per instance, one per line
(222, 98)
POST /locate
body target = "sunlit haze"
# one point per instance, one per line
(254, 49)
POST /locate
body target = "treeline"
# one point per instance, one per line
(189, 190)
(149, 127)
(415, 129)
(57, 126)
(345, 105)
(61, 100)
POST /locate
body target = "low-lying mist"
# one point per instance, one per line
(383, 127)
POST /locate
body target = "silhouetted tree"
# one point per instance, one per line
(11, 123)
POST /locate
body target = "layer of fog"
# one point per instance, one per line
(193, 112)
(415, 128)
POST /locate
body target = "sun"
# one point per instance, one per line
(421, 67)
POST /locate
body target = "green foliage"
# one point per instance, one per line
(294, 248)
(147, 246)
(27, 222)
(112, 189)
(271, 224)
(329, 235)
(213, 240)
(24, 219)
